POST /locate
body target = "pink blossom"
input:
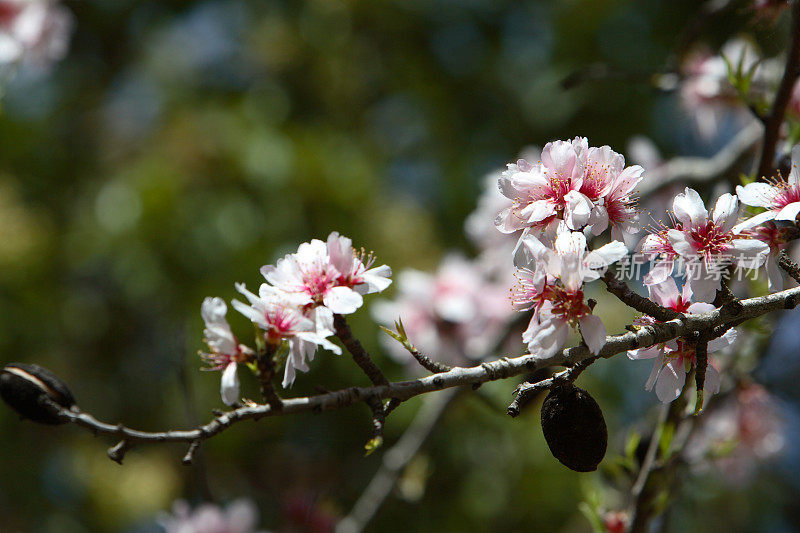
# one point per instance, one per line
(240, 516)
(226, 351)
(674, 359)
(35, 30)
(494, 247)
(552, 285)
(707, 242)
(278, 315)
(657, 246)
(609, 185)
(355, 268)
(328, 274)
(776, 237)
(573, 187)
(454, 315)
(780, 198)
(546, 193)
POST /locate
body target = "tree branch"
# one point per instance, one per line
(526, 391)
(774, 120)
(360, 355)
(695, 170)
(266, 371)
(502, 368)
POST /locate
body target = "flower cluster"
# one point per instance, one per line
(706, 242)
(551, 284)
(574, 187)
(294, 309)
(576, 192)
(33, 30)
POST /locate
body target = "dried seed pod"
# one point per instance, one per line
(574, 428)
(24, 388)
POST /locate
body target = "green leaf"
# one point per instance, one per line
(392, 334)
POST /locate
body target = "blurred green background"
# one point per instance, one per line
(181, 145)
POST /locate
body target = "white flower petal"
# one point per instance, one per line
(749, 253)
(753, 221)
(726, 212)
(658, 364)
(643, 353)
(664, 293)
(537, 211)
(627, 180)
(789, 212)
(670, 381)
(794, 176)
(342, 300)
(508, 222)
(699, 308)
(578, 210)
(757, 194)
(570, 243)
(660, 272)
(606, 255)
(774, 274)
(249, 312)
(546, 338)
(229, 387)
(704, 286)
(726, 340)
(594, 333)
(598, 220)
(559, 156)
(680, 243)
(375, 280)
(689, 208)
(712, 382)
(340, 252)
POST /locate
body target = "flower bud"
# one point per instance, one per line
(25, 388)
(574, 428)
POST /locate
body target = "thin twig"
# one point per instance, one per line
(650, 455)
(773, 122)
(502, 368)
(435, 367)
(525, 391)
(360, 355)
(378, 421)
(266, 372)
(645, 489)
(694, 170)
(395, 460)
(700, 365)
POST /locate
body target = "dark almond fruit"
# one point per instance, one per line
(574, 428)
(25, 387)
